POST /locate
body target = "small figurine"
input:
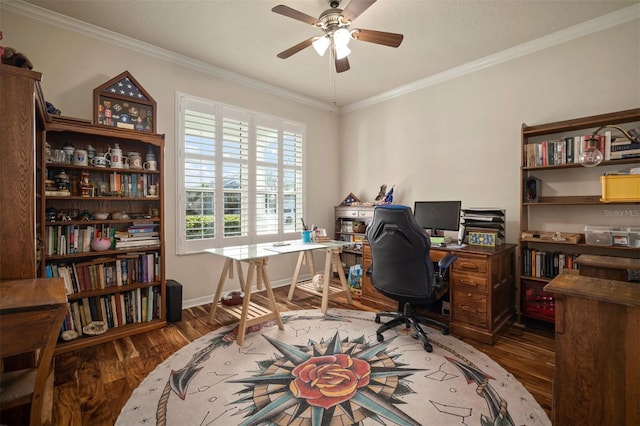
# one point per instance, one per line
(383, 190)
(388, 199)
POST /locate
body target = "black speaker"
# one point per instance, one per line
(174, 301)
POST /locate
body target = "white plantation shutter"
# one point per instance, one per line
(292, 162)
(267, 180)
(240, 176)
(235, 172)
(198, 171)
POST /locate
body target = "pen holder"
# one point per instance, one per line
(306, 236)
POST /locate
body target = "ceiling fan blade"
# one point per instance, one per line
(355, 8)
(295, 49)
(292, 13)
(378, 37)
(342, 65)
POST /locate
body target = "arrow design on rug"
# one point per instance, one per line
(497, 405)
(324, 380)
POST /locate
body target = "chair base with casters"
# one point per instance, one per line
(410, 319)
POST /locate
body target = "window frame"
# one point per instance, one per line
(285, 230)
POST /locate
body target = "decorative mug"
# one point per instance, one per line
(114, 156)
(150, 165)
(68, 150)
(135, 160)
(99, 161)
(80, 158)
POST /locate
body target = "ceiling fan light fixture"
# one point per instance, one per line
(321, 44)
(342, 51)
(341, 37)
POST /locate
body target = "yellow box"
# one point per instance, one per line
(616, 188)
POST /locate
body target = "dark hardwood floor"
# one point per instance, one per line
(92, 385)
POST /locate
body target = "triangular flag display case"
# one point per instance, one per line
(122, 102)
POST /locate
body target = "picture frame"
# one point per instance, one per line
(122, 102)
(483, 239)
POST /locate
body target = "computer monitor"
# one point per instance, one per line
(438, 216)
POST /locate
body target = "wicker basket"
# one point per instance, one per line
(359, 228)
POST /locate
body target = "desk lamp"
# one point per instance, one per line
(592, 156)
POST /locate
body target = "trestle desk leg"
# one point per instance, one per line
(228, 264)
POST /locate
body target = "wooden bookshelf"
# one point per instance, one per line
(561, 207)
(137, 305)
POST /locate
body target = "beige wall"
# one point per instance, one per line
(456, 140)
(460, 140)
(73, 65)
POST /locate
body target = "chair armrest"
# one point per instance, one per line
(446, 261)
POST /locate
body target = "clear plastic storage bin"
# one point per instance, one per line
(598, 235)
(620, 236)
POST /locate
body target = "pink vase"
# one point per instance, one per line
(100, 244)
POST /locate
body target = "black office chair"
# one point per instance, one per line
(402, 270)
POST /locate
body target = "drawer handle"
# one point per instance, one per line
(469, 309)
(471, 283)
(469, 265)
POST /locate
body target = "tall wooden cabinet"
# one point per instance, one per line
(560, 196)
(123, 284)
(597, 374)
(50, 218)
(22, 116)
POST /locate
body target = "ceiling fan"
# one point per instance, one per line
(335, 23)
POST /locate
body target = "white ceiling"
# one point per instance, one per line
(244, 36)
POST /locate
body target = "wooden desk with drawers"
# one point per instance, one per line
(481, 289)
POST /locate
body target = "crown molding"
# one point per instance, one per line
(56, 19)
(595, 25)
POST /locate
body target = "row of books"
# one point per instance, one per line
(567, 150)
(107, 272)
(351, 226)
(133, 184)
(116, 310)
(70, 239)
(545, 264)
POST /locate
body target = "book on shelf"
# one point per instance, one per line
(126, 235)
(138, 242)
(57, 193)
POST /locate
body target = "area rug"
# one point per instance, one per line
(329, 370)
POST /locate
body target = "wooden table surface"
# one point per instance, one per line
(31, 293)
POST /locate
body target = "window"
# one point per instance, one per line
(240, 176)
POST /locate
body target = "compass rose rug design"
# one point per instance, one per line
(329, 370)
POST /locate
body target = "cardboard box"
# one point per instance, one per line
(616, 188)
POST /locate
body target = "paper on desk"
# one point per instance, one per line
(295, 248)
(455, 246)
